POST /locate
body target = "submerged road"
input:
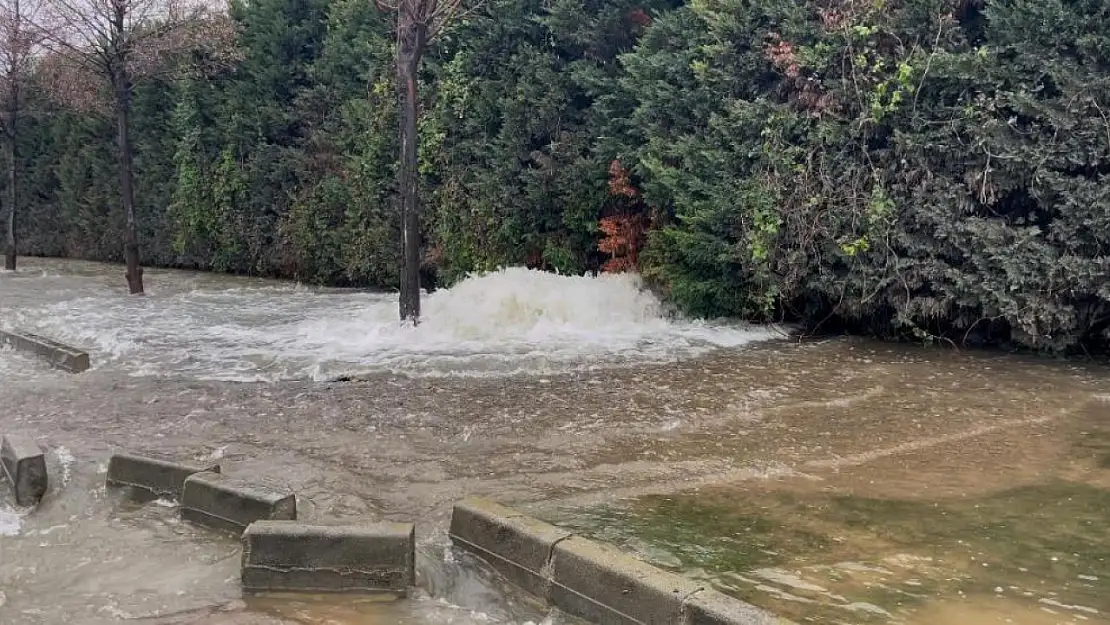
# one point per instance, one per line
(393, 447)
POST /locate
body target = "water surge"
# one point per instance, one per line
(511, 321)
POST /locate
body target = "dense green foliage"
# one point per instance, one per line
(922, 168)
(897, 166)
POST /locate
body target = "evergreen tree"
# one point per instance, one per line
(931, 169)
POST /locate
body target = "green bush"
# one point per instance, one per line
(893, 167)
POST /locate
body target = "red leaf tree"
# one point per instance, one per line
(626, 231)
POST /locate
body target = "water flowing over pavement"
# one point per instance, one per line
(211, 327)
(562, 396)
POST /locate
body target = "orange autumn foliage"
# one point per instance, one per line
(624, 237)
(620, 183)
(624, 232)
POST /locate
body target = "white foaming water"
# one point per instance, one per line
(14, 364)
(510, 321)
(66, 460)
(10, 521)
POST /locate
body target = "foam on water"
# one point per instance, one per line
(66, 460)
(509, 321)
(13, 363)
(10, 521)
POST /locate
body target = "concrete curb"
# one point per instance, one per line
(587, 579)
(601, 584)
(290, 556)
(231, 504)
(709, 607)
(58, 355)
(516, 546)
(156, 476)
(24, 463)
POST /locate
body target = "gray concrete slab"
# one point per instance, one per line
(155, 475)
(25, 466)
(603, 585)
(231, 504)
(59, 355)
(516, 546)
(290, 556)
(587, 579)
(709, 607)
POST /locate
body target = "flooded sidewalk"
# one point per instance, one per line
(997, 524)
(840, 481)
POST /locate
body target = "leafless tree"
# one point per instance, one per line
(102, 48)
(417, 23)
(19, 44)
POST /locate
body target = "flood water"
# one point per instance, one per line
(837, 481)
(1002, 519)
(213, 327)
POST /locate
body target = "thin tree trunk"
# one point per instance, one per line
(15, 78)
(127, 192)
(9, 249)
(410, 48)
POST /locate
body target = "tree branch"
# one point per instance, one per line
(140, 38)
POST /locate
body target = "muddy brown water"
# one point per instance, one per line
(840, 481)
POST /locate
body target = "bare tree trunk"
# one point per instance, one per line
(126, 173)
(15, 77)
(9, 248)
(411, 39)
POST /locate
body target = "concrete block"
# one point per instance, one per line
(603, 585)
(159, 477)
(231, 504)
(58, 355)
(289, 556)
(25, 465)
(709, 607)
(516, 546)
(590, 580)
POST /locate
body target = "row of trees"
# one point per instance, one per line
(88, 54)
(115, 43)
(925, 168)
